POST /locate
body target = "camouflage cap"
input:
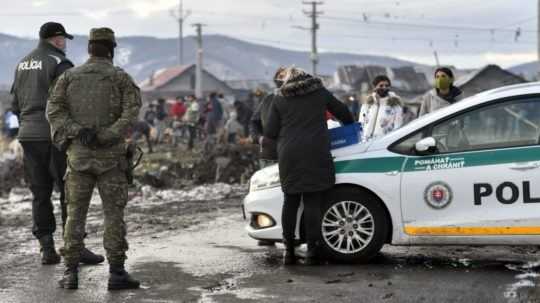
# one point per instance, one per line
(102, 33)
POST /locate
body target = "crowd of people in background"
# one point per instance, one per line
(217, 120)
(212, 120)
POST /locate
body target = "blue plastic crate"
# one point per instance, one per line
(345, 135)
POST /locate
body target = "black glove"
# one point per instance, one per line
(88, 137)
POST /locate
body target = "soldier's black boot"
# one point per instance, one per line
(48, 253)
(313, 254)
(289, 258)
(70, 280)
(120, 279)
(90, 258)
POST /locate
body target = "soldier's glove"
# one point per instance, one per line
(87, 137)
(106, 137)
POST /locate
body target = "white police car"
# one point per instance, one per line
(466, 174)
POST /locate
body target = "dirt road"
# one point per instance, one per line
(195, 250)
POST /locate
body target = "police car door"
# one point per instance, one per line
(481, 183)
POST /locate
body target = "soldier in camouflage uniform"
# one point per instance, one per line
(91, 108)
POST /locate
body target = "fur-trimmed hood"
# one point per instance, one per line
(393, 99)
(299, 83)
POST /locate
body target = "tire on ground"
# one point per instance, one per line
(381, 224)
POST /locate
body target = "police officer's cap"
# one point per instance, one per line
(102, 34)
(53, 29)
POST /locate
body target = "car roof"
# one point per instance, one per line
(497, 93)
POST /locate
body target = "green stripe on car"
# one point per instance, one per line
(370, 165)
(449, 161)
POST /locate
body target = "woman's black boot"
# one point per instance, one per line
(313, 254)
(289, 258)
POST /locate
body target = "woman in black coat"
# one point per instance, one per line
(306, 168)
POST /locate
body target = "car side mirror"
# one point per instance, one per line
(426, 145)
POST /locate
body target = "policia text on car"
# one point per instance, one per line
(483, 190)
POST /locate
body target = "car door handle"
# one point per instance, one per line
(525, 166)
(392, 173)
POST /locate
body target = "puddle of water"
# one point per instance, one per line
(526, 281)
(230, 287)
(513, 289)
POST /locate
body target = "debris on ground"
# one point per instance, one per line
(167, 168)
(178, 168)
(215, 191)
(11, 167)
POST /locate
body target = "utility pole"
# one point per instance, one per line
(198, 72)
(437, 57)
(314, 27)
(180, 17)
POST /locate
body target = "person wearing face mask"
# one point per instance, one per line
(444, 93)
(382, 111)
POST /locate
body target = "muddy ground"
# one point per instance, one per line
(190, 246)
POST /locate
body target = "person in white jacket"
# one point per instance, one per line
(382, 112)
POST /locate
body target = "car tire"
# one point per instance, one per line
(355, 215)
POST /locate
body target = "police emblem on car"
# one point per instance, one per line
(438, 195)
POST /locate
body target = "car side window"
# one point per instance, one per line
(406, 146)
(508, 124)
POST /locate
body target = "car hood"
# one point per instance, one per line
(351, 149)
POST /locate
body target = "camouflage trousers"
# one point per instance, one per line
(113, 190)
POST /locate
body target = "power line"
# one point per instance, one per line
(418, 25)
(518, 23)
(431, 40)
(260, 40)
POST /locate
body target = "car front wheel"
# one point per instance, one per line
(354, 225)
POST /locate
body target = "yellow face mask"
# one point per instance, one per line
(443, 82)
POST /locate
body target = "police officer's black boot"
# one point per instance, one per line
(120, 279)
(48, 253)
(90, 258)
(70, 280)
(289, 258)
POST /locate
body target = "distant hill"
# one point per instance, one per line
(528, 71)
(228, 58)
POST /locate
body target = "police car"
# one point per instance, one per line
(467, 174)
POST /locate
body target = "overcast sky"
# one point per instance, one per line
(465, 33)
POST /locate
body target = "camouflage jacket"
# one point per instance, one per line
(94, 95)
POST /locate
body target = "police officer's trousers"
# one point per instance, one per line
(112, 186)
(44, 166)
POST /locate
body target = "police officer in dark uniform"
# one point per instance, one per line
(45, 164)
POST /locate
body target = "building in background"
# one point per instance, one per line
(486, 78)
(176, 81)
